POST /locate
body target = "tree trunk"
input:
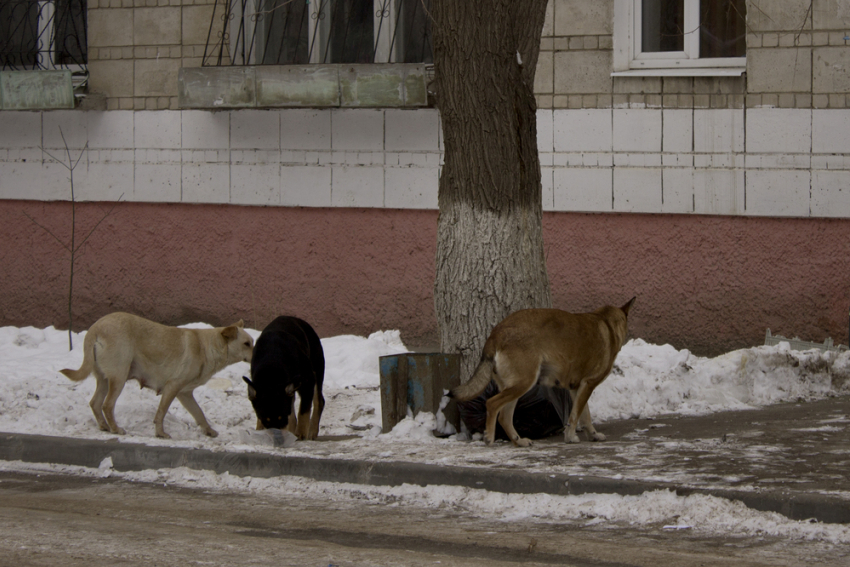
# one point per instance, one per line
(490, 259)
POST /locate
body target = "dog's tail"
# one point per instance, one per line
(475, 385)
(88, 360)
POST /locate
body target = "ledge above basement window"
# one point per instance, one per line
(685, 38)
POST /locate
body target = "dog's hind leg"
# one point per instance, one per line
(96, 402)
(506, 418)
(495, 406)
(318, 408)
(115, 386)
(191, 405)
(580, 397)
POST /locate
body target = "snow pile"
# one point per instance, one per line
(651, 380)
(647, 381)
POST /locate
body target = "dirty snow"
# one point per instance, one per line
(648, 381)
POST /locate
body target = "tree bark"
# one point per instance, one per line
(490, 260)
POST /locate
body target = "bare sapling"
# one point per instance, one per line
(72, 247)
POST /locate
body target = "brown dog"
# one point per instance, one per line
(556, 348)
(169, 360)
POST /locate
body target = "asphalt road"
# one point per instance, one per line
(51, 520)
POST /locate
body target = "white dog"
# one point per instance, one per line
(169, 360)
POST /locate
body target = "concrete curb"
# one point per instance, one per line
(137, 456)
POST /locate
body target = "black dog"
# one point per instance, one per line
(288, 358)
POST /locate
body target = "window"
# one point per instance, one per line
(683, 37)
(292, 32)
(42, 34)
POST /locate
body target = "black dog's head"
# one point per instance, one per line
(273, 405)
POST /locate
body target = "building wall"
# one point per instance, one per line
(750, 162)
(706, 283)
(722, 202)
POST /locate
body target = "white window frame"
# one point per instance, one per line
(630, 60)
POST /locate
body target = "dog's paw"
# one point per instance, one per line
(571, 438)
(523, 442)
(163, 435)
(119, 431)
(211, 432)
(596, 436)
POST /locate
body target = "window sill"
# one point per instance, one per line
(392, 85)
(692, 72)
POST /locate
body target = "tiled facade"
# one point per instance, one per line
(753, 162)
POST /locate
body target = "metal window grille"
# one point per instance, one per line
(41, 34)
(299, 32)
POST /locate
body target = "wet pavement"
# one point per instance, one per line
(792, 458)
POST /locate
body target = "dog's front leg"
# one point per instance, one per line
(587, 425)
(191, 405)
(580, 396)
(168, 394)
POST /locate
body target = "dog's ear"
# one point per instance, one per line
(252, 393)
(625, 308)
(290, 390)
(239, 324)
(230, 333)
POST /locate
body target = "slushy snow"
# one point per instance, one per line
(647, 381)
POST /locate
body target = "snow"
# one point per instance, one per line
(648, 381)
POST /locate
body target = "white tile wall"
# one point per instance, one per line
(677, 131)
(357, 129)
(637, 130)
(70, 123)
(412, 130)
(159, 129)
(646, 160)
(831, 194)
(205, 130)
(354, 186)
(718, 130)
(20, 129)
(547, 182)
(778, 193)
(205, 182)
(110, 130)
(830, 131)
(545, 131)
(105, 181)
(637, 190)
(719, 191)
(158, 183)
(582, 130)
(255, 129)
(583, 189)
(302, 186)
(411, 187)
(255, 184)
(779, 130)
(305, 129)
(678, 190)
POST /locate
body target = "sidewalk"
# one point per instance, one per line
(788, 458)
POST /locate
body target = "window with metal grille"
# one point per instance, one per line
(43, 34)
(292, 32)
